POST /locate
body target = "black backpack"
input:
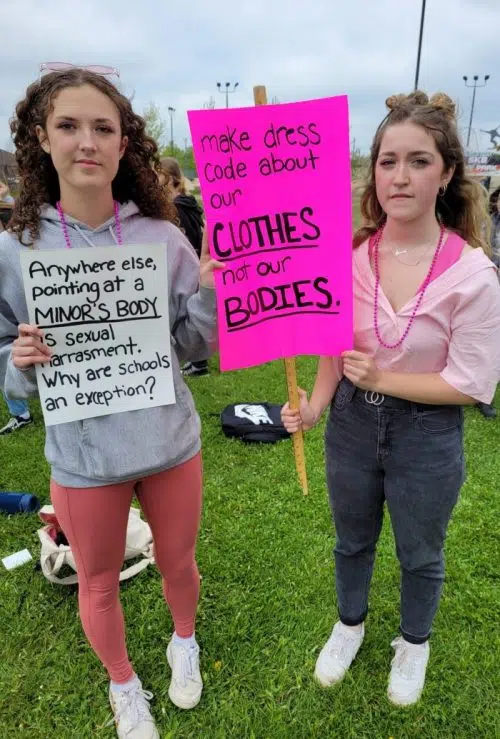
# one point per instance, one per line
(254, 422)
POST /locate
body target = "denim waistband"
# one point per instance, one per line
(376, 400)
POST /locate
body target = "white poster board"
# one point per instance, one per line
(104, 311)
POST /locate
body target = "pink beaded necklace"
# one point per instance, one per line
(376, 244)
(64, 225)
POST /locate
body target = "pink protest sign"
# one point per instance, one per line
(276, 186)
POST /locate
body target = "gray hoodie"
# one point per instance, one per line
(133, 444)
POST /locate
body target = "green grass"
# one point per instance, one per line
(267, 602)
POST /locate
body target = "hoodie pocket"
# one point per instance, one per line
(136, 443)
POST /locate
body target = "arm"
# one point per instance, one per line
(309, 413)
(193, 315)
(325, 385)
(17, 383)
(473, 363)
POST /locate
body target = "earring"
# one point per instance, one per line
(442, 189)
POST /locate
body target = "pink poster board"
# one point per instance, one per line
(276, 187)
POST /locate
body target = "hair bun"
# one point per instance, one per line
(443, 102)
(414, 98)
(395, 101)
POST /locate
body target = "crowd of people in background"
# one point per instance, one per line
(191, 221)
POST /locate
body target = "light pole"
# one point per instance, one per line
(171, 112)
(422, 18)
(226, 91)
(474, 86)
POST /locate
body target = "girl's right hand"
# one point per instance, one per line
(302, 419)
(28, 349)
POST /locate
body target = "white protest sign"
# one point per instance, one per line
(104, 311)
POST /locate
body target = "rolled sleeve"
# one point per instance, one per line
(473, 363)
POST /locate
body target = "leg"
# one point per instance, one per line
(424, 473)
(171, 501)
(356, 491)
(17, 407)
(95, 523)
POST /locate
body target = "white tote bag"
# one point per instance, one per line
(54, 556)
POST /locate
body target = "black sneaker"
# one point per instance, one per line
(15, 423)
(195, 371)
(486, 409)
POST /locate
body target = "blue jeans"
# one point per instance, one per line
(411, 457)
(16, 407)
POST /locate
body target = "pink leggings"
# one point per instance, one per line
(95, 522)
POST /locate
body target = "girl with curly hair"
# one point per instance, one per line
(426, 328)
(88, 177)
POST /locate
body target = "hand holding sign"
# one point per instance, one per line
(207, 264)
(28, 349)
(302, 418)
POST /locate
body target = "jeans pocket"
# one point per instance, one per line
(344, 395)
(440, 420)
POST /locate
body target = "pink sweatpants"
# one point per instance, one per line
(95, 522)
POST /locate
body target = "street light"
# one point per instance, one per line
(474, 86)
(171, 112)
(226, 91)
(417, 71)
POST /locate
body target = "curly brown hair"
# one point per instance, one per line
(463, 207)
(137, 176)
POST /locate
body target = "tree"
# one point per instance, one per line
(155, 125)
(359, 162)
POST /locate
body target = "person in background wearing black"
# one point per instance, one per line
(191, 223)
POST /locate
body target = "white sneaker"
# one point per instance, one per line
(131, 713)
(336, 656)
(186, 684)
(407, 677)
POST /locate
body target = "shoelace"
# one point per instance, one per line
(339, 650)
(186, 669)
(405, 661)
(134, 703)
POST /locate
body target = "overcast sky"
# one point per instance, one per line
(174, 53)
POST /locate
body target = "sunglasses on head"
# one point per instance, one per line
(47, 67)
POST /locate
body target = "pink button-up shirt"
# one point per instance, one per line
(456, 331)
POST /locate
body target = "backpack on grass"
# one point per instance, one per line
(254, 422)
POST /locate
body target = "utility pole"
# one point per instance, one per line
(419, 52)
(171, 112)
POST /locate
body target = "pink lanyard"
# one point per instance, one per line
(64, 225)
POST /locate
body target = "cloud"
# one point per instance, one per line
(174, 53)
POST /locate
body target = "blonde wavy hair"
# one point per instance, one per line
(463, 207)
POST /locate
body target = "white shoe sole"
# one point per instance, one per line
(405, 701)
(177, 700)
(327, 682)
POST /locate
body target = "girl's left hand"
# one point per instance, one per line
(207, 264)
(361, 370)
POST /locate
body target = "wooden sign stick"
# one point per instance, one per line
(260, 98)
